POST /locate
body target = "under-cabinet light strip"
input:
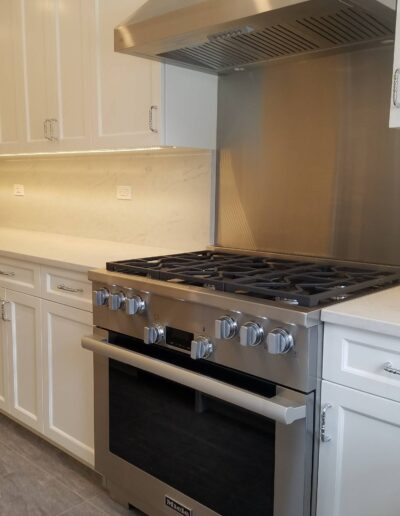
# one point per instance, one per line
(83, 152)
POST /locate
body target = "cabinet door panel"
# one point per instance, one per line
(3, 362)
(25, 367)
(126, 86)
(34, 17)
(11, 92)
(68, 72)
(68, 377)
(358, 467)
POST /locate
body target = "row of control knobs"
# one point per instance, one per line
(132, 304)
(279, 341)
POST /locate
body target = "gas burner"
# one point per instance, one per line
(294, 282)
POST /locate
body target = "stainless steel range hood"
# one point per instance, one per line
(220, 35)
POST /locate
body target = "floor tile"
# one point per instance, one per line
(11, 462)
(79, 478)
(22, 494)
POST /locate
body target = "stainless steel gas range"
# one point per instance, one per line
(207, 370)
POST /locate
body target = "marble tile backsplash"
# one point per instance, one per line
(170, 203)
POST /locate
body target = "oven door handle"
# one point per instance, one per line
(280, 408)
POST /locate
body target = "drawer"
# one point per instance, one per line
(362, 360)
(20, 275)
(67, 287)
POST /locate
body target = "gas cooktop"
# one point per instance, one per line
(295, 282)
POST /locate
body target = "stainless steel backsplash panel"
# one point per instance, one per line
(307, 163)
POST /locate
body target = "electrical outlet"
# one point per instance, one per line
(19, 190)
(124, 193)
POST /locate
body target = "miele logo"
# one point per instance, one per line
(181, 509)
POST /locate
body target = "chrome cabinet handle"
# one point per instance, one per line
(53, 129)
(151, 119)
(396, 102)
(4, 273)
(5, 312)
(46, 124)
(388, 367)
(325, 438)
(69, 289)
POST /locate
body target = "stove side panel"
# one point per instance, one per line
(307, 164)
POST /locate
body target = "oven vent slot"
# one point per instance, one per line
(333, 29)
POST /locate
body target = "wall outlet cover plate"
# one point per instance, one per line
(19, 190)
(124, 193)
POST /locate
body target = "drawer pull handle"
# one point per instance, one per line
(388, 367)
(69, 289)
(3, 273)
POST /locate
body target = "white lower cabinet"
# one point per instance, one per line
(24, 350)
(359, 465)
(46, 377)
(3, 358)
(68, 379)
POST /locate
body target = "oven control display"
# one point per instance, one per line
(178, 338)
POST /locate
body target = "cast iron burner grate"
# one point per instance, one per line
(295, 282)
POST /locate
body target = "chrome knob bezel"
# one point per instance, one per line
(200, 348)
(134, 305)
(226, 328)
(153, 334)
(116, 300)
(279, 342)
(100, 297)
(251, 334)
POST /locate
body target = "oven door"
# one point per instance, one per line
(175, 435)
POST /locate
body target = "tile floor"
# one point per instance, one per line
(37, 479)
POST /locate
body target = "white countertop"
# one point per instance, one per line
(71, 252)
(379, 312)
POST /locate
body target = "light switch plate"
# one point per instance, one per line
(124, 193)
(19, 190)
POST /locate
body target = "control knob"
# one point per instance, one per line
(100, 297)
(251, 334)
(153, 334)
(201, 347)
(115, 300)
(134, 305)
(279, 341)
(225, 327)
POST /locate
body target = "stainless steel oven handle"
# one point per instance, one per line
(279, 408)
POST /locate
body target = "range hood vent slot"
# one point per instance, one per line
(318, 26)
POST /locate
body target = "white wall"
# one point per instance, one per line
(77, 196)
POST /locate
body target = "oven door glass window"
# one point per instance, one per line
(216, 453)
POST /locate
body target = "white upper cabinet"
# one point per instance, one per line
(395, 98)
(126, 86)
(11, 90)
(55, 62)
(142, 103)
(63, 88)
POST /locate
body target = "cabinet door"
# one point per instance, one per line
(68, 379)
(127, 86)
(68, 73)
(3, 361)
(55, 57)
(23, 330)
(395, 98)
(358, 467)
(11, 90)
